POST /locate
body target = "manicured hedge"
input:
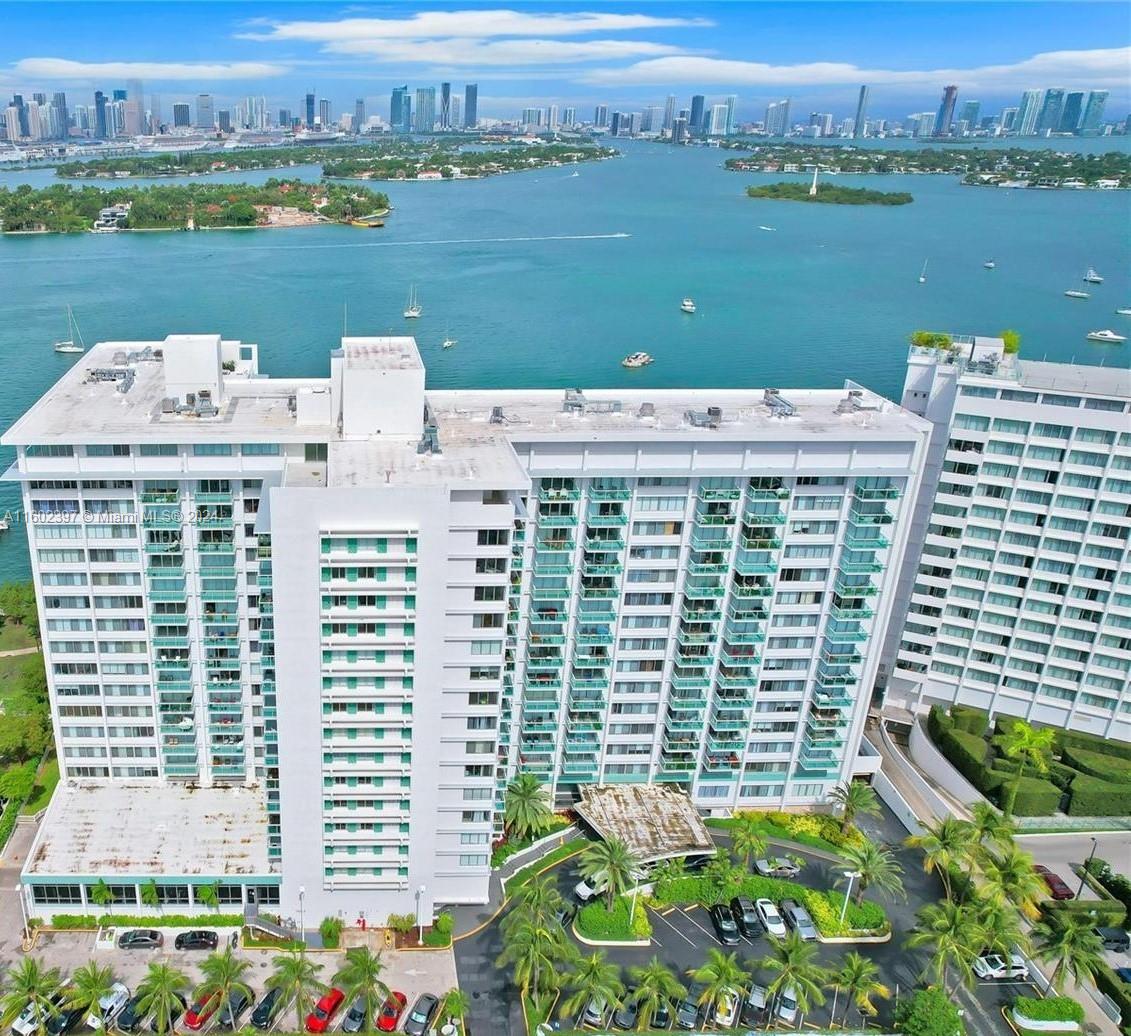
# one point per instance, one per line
(595, 922)
(970, 720)
(1106, 913)
(1116, 884)
(1049, 1009)
(1092, 743)
(1108, 768)
(65, 921)
(1092, 797)
(1107, 981)
(1036, 797)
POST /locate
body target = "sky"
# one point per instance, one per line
(574, 52)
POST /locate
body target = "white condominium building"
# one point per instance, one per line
(1021, 600)
(300, 633)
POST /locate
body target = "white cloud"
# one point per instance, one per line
(514, 53)
(60, 68)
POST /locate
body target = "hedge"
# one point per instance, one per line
(595, 922)
(1092, 743)
(1091, 797)
(1116, 884)
(1104, 913)
(67, 921)
(1036, 797)
(970, 720)
(8, 820)
(1108, 768)
(1108, 982)
(1049, 1009)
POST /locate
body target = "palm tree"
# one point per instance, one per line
(89, 984)
(990, 827)
(223, 976)
(945, 843)
(539, 899)
(854, 798)
(747, 838)
(875, 865)
(535, 949)
(527, 807)
(27, 983)
(671, 869)
(1001, 925)
(100, 894)
(454, 1005)
(858, 978)
(160, 992)
(593, 978)
(724, 878)
(360, 979)
(296, 978)
(150, 896)
(655, 985)
(721, 973)
(208, 895)
(795, 962)
(1072, 947)
(609, 867)
(1010, 877)
(952, 935)
(1026, 746)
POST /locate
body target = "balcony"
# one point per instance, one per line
(689, 681)
(746, 590)
(589, 568)
(759, 543)
(711, 494)
(556, 520)
(160, 496)
(768, 493)
(544, 663)
(888, 493)
(541, 706)
(711, 518)
(757, 516)
(600, 593)
(860, 568)
(725, 767)
(551, 565)
(603, 638)
(734, 679)
(854, 541)
(700, 589)
(720, 742)
(842, 613)
(685, 703)
(557, 545)
(855, 589)
(552, 495)
(610, 493)
(602, 520)
(700, 614)
(704, 540)
(549, 593)
(213, 498)
(688, 637)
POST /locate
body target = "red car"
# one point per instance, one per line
(391, 1012)
(319, 1019)
(203, 1008)
(1058, 888)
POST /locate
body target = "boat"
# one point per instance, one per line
(412, 308)
(68, 344)
(1077, 294)
(1092, 277)
(923, 272)
(448, 341)
(636, 360)
(4, 524)
(989, 264)
(687, 305)
(1124, 311)
(1106, 335)
(760, 227)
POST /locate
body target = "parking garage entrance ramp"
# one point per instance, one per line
(655, 821)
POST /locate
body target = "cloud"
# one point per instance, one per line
(514, 53)
(457, 24)
(1089, 68)
(61, 68)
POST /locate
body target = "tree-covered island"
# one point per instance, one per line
(828, 194)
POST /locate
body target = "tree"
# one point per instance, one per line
(1001, 925)
(150, 896)
(875, 866)
(160, 991)
(795, 962)
(1026, 746)
(722, 973)
(538, 900)
(858, 978)
(724, 878)
(1012, 340)
(207, 895)
(535, 949)
(655, 985)
(609, 867)
(296, 978)
(29, 982)
(928, 1012)
(747, 838)
(952, 936)
(526, 809)
(1072, 947)
(853, 799)
(89, 984)
(1010, 878)
(454, 1005)
(100, 894)
(670, 870)
(593, 978)
(945, 844)
(17, 602)
(223, 974)
(990, 828)
(17, 783)
(360, 979)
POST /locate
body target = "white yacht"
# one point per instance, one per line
(1092, 277)
(989, 264)
(1077, 294)
(923, 272)
(448, 341)
(412, 308)
(73, 343)
(1106, 336)
(1124, 311)
(687, 305)
(636, 360)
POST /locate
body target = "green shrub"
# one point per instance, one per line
(331, 931)
(1036, 797)
(444, 924)
(595, 922)
(1092, 743)
(937, 722)
(70, 921)
(928, 1012)
(402, 923)
(1108, 768)
(1104, 913)
(1116, 884)
(1091, 797)
(1049, 1009)
(8, 820)
(970, 720)
(1060, 774)
(1108, 982)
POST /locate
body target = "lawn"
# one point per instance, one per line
(10, 670)
(45, 781)
(772, 830)
(505, 850)
(14, 638)
(562, 852)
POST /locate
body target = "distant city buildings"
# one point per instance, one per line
(470, 106)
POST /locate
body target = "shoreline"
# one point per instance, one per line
(174, 230)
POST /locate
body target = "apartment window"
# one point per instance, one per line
(56, 895)
(657, 528)
(260, 449)
(490, 593)
(492, 537)
(490, 566)
(473, 860)
(108, 450)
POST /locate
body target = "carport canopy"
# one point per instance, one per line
(655, 821)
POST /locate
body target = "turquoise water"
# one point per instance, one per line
(525, 271)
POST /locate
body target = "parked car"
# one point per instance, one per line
(1058, 887)
(595, 1014)
(203, 1008)
(391, 1011)
(1124, 974)
(196, 940)
(140, 939)
(696, 863)
(238, 1003)
(420, 1017)
(174, 1015)
(584, 891)
(726, 1009)
(624, 1017)
(769, 916)
(797, 917)
(754, 1005)
(787, 1006)
(267, 1008)
(110, 1005)
(725, 928)
(746, 917)
(323, 1012)
(28, 1020)
(354, 1020)
(65, 1020)
(779, 867)
(1114, 939)
(662, 1019)
(995, 966)
(564, 915)
(687, 1014)
(132, 1015)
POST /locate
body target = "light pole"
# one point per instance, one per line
(23, 909)
(851, 876)
(420, 914)
(1086, 862)
(301, 915)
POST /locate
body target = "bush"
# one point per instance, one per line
(331, 931)
(1036, 797)
(595, 922)
(1104, 913)
(1116, 884)
(1108, 768)
(928, 1012)
(8, 820)
(1049, 1009)
(71, 921)
(1119, 991)
(1091, 797)
(401, 923)
(971, 720)
(1092, 743)
(444, 924)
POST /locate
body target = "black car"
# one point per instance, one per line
(694, 864)
(745, 916)
(175, 1013)
(564, 915)
(725, 928)
(65, 1021)
(140, 939)
(624, 1018)
(265, 1010)
(132, 1015)
(354, 1020)
(238, 1002)
(420, 1017)
(197, 940)
(688, 1012)
(662, 1019)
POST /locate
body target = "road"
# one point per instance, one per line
(11, 918)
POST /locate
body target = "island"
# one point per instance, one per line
(458, 164)
(828, 194)
(62, 209)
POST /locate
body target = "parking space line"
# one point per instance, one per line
(690, 942)
(710, 935)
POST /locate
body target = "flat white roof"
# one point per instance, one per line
(134, 829)
(385, 353)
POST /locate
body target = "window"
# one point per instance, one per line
(49, 451)
(473, 860)
(158, 449)
(108, 450)
(212, 449)
(492, 537)
(260, 449)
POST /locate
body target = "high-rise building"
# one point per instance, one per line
(731, 106)
(1008, 119)
(471, 106)
(204, 117)
(861, 112)
(134, 116)
(445, 106)
(553, 118)
(62, 118)
(324, 116)
(1016, 596)
(680, 132)
(182, 116)
(399, 110)
(777, 118)
(351, 611)
(457, 114)
(119, 95)
(359, 115)
(569, 116)
(154, 113)
(669, 113)
(601, 116)
(425, 118)
(12, 131)
(101, 128)
(532, 116)
(1051, 110)
(1072, 112)
(946, 111)
(618, 124)
(698, 119)
(284, 118)
(309, 101)
(717, 121)
(224, 120)
(1094, 112)
(1029, 110)
(652, 119)
(969, 113)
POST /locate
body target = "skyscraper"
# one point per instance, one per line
(679, 130)
(617, 125)
(445, 106)
(224, 120)
(204, 119)
(324, 116)
(181, 114)
(1072, 112)
(1008, 119)
(969, 113)
(861, 113)
(1028, 111)
(569, 117)
(62, 119)
(717, 121)
(531, 117)
(698, 113)
(285, 118)
(1049, 119)
(777, 118)
(553, 118)
(310, 111)
(359, 115)
(653, 119)
(471, 106)
(1094, 112)
(425, 120)
(457, 115)
(100, 127)
(154, 112)
(946, 111)
(731, 104)
(397, 114)
(601, 116)
(669, 113)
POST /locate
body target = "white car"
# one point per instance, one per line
(726, 1010)
(110, 1005)
(28, 1021)
(771, 919)
(995, 966)
(787, 1005)
(584, 891)
(779, 867)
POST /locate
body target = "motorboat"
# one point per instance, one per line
(687, 305)
(989, 264)
(1092, 277)
(1106, 335)
(636, 360)
(1077, 295)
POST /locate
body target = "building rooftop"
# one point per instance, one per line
(397, 353)
(1075, 377)
(655, 821)
(122, 829)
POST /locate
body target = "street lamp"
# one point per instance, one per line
(23, 910)
(301, 915)
(420, 914)
(1086, 862)
(851, 876)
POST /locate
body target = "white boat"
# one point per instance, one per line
(923, 272)
(1106, 336)
(69, 344)
(760, 227)
(448, 341)
(636, 360)
(1124, 311)
(989, 264)
(687, 305)
(3, 524)
(1077, 294)
(1092, 277)
(412, 308)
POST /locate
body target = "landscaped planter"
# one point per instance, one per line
(1052, 1014)
(1036, 1025)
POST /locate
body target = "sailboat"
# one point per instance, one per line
(923, 273)
(448, 341)
(412, 309)
(69, 344)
